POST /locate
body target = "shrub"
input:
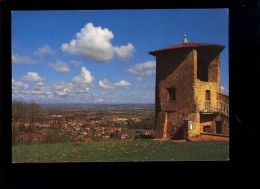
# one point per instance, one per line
(56, 135)
(96, 138)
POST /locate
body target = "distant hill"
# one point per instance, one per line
(143, 106)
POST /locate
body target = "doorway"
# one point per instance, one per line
(218, 127)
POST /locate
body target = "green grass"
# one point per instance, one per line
(122, 151)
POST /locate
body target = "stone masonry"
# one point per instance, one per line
(188, 101)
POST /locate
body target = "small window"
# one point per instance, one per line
(206, 129)
(207, 94)
(171, 94)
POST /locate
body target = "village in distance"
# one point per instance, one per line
(51, 123)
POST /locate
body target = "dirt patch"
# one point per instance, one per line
(209, 138)
(198, 138)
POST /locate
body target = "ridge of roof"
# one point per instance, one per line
(186, 45)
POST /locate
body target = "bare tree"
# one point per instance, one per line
(33, 112)
(23, 112)
(18, 116)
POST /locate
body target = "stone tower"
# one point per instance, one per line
(187, 96)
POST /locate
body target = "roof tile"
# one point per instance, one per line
(186, 45)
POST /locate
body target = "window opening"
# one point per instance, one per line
(207, 104)
(171, 94)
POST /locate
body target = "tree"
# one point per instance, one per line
(33, 111)
(23, 112)
(58, 123)
(18, 115)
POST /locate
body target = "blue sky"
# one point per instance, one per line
(102, 56)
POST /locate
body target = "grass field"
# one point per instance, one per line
(122, 151)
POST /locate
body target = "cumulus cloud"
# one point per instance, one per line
(69, 90)
(105, 84)
(18, 85)
(61, 85)
(61, 92)
(62, 88)
(94, 43)
(23, 91)
(125, 52)
(59, 66)
(45, 50)
(42, 91)
(123, 83)
(32, 76)
(91, 43)
(143, 69)
(18, 59)
(84, 78)
(58, 91)
(38, 84)
(139, 79)
(82, 90)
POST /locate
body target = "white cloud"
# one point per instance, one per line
(18, 86)
(123, 83)
(41, 89)
(39, 83)
(59, 66)
(61, 92)
(20, 90)
(84, 78)
(125, 52)
(60, 85)
(105, 84)
(62, 88)
(91, 43)
(100, 100)
(139, 79)
(224, 90)
(69, 90)
(20, 96)
(18, 59)
(143, 69)
(82, 90)
(44, 51)
(32, 76)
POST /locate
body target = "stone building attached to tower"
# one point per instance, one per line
(187, 96)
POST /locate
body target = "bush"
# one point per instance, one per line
(17, 137)
(137, 137)
(56, 135)
(96, 138)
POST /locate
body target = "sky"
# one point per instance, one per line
(102, 56)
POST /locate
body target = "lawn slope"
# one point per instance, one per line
(122, 151)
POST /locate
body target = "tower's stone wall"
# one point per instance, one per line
(174, 69)
(190, 72)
